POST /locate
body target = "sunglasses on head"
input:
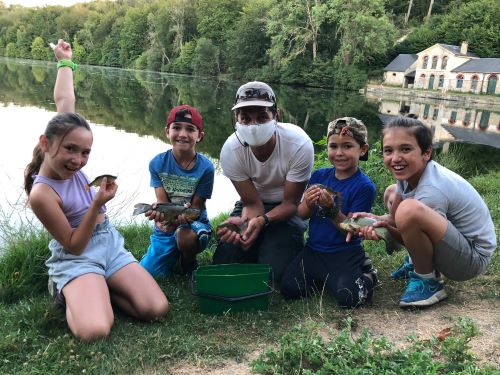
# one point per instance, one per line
(260, 94)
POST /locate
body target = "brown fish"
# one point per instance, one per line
(352, 225)
(97, 181)
(336, 195)
(233, 227)
(169, 210)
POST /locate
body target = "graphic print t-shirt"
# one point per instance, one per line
(181, 184)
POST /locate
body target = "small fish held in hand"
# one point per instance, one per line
(233, 227)
(170, 211)
(97, 181)
(352, 225)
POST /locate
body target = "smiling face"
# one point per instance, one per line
(64, 156)
(344, 153)
(403, 155)
(183, 136)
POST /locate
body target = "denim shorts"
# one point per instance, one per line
(456, 257)
(104, 255)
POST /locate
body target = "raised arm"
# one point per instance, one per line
(64, 94)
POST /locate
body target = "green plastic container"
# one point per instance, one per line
(232, 287)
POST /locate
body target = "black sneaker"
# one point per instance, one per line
(367, 265)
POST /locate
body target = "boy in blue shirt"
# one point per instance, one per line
(184, 177)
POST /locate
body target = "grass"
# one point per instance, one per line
(34, 338)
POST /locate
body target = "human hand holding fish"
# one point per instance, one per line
(370, 227)
(106, 192)
(166, 212)
(232, 229)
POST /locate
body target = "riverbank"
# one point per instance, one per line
(465, 99)
(34, 337)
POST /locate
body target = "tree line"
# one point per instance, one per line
(327, 43)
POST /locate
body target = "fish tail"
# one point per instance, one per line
(140, 208)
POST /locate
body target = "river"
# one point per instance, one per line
(127, 110)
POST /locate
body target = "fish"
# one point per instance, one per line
(336, 195)
(352, 225)
(170, 211)
(97, 181)
(235, 228)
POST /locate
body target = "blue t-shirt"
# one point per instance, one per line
(181, 184)
(358, 195)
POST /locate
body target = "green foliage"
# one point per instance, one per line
(184, 63)
(303, 350)
(10, 50)
(39, 49)
(205, 60)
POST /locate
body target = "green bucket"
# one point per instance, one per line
(232, 287)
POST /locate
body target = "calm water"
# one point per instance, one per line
(127, 111)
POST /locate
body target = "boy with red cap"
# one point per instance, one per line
(183, 177)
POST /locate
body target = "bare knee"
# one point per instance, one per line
(389, 196)
(409, 213)
(154, 310)
(92, 331)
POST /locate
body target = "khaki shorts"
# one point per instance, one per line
(456, 257)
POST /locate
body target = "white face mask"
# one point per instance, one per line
(256, 134)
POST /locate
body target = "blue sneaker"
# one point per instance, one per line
(422, 292)
(402, 272)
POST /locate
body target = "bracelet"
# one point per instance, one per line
(266, 219)
(66, 63)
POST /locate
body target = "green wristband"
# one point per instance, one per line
(66, 63)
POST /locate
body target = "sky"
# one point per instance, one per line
(41, 3)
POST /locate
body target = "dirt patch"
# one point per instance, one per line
(397, 325)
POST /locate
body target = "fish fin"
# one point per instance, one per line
(141, 208)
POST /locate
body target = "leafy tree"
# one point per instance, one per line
(184, 63)
(132, 34)
(79, 53)
(10, 50)
(39, 49)
(206, 58)
(363, 28)
(247, 44)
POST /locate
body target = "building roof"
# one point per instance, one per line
(482, 65)
(474, 136)
(456, 50)
(401, 63)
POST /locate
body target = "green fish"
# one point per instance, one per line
(235, 228)
(97, 181)
(170, 210)
(352, 225)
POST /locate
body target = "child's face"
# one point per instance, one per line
(344, 153)
(64, 157)
(403, 156)
(183, 136)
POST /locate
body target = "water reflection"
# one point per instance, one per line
(451, 121)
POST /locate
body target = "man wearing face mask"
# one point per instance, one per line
(269, 164)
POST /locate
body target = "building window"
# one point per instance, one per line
(426, 60)
(441, 81)
(460, 81)
(467, 119)
(453, 117)
(485, 120)
(473, 83)
(426, 111)
(435, 113)
(444, 62)
(434, 62)
(492, 84)
(421, 80)
(394, 74)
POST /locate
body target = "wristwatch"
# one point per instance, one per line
(266, 219)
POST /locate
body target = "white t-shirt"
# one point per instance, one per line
(292, 160)
(456, 200)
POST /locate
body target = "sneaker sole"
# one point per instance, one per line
(435, 298)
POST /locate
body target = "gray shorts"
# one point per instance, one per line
(104, 255)
(456, 257)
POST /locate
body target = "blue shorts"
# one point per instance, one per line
(163, 253)
(104, 255)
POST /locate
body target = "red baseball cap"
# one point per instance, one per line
(178, 114)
